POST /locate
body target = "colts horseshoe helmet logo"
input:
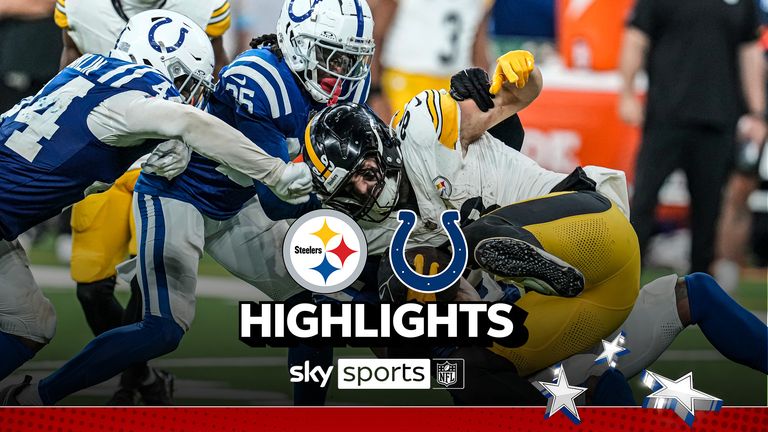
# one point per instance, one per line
(156, 46)
(442, 280)
(305, 16)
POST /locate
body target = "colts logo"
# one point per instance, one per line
(156, 46)
(419, 282)
(301, 18)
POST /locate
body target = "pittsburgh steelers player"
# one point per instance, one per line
(103, 230)
(584, 229)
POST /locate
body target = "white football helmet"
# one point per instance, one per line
(174, 45)
(327, 43)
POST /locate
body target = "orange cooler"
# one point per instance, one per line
(589, 32)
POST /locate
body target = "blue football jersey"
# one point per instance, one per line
(258, 95)
(48, 155)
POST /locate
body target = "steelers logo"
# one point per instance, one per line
(325, 251)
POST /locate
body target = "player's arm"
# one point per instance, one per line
(752, 125)
(516, 83)
(69, 51)
(153, 117)
(634, 48)
(25, 9)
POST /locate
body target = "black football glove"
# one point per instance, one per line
(472, 83)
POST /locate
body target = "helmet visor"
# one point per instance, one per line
(348, 62)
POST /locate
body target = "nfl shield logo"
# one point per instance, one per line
(447, 373)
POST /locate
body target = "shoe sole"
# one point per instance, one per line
(512, 258)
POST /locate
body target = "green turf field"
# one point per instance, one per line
(214, 368)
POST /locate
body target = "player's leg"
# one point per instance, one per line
(720, 318)
(259, 262)
(248, 246)
(100, 234)
(596, 238)
(664, 308)
(707, 170)
(170, 246)
(27, 318)
(658, 156)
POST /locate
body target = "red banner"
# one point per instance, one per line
(288, 419)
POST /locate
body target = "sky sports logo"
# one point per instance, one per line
(385, 374)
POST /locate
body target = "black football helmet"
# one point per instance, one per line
(337, 143)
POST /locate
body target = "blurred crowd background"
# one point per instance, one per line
(702, 182)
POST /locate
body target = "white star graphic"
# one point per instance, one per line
(678, 395)
(561, 395)
(612, 350)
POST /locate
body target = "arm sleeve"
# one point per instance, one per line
(221, 19)
(60, 14)
(642, 16)
(152, 117)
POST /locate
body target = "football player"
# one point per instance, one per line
(103, 231)
(321, 54)
(457, 39)
(584, 229)
(85, 128)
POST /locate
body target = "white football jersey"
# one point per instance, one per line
(442, 177)
(433, 37)
(95, 25)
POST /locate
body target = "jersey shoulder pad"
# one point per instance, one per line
(430, 116)
(124, 75)
(220, 20)
(60, 14)
(261, 83)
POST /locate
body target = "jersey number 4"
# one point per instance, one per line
(43, 124)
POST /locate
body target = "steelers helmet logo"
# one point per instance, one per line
(325, 251)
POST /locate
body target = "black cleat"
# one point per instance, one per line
(160, 392)
(535, 268)
(8, 394)
(124, 397)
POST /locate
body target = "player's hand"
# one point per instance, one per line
(168, 160)
(752, 128)
(631, 109)
(514, 67)
(472, 83)
(295, 184)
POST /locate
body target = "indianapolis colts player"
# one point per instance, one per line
(86, 127)
(320, 55)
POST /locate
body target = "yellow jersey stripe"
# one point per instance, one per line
(217, 29)
(322, 169)
(431, 108)
(60, 16)
(220, 10)
(438, 110)
(449, 132)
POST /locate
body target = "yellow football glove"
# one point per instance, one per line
(515, 67)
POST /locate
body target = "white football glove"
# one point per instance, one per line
(168, 160)
(295, 184)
